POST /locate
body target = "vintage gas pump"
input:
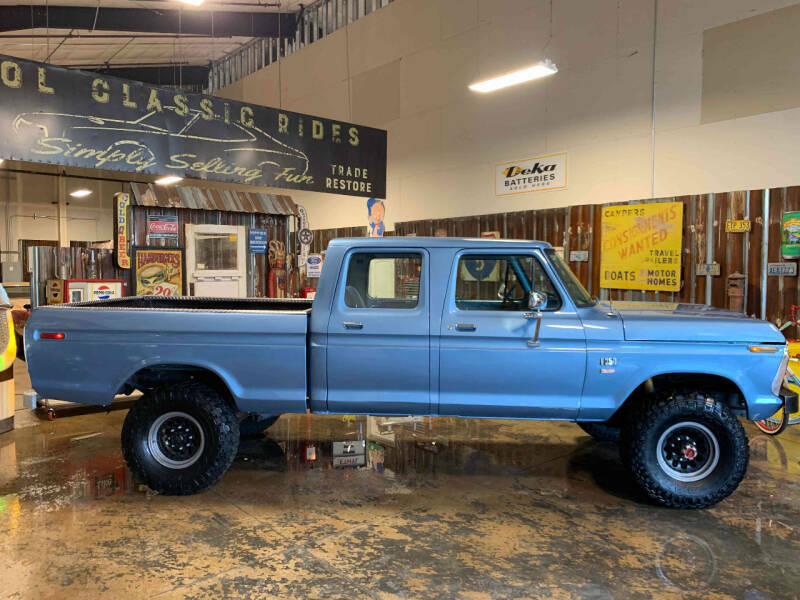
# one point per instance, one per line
(736, 292)
(8, 348)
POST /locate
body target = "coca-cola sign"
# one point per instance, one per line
(162, 226)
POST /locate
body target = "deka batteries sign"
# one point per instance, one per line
(531, 175)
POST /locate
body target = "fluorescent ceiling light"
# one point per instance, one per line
(192, 2)
(82, 193)
(168, 179)
(542, 69)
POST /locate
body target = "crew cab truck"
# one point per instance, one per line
(468, 328)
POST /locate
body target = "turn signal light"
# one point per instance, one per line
(764, 349)
(51, 336)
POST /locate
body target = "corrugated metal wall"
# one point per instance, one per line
(578, 228)
(274, 224)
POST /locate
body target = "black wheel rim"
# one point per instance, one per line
(688, 451)
(176, 440)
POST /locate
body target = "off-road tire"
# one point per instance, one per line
(220, 429)
(653, 417)
(600, 431)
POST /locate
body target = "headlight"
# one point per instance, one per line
(779, 376)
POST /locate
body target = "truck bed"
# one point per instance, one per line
(258, 347)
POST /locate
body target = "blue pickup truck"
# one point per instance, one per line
(495, 329)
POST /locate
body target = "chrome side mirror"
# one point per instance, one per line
(537, 300)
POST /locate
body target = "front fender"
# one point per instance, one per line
(607, 386)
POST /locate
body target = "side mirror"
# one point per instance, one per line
(537, 300)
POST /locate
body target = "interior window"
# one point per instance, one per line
(497, 282)
(383, 280)
(215, 251)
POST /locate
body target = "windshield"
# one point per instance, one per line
(577, 292)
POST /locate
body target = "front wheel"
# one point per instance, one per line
(180, 440)
(685, 450)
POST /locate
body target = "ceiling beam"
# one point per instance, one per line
(218, 24)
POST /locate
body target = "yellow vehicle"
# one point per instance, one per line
(8, 352)
(779, 421)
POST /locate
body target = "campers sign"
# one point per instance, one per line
(642, 246)
(66, 117)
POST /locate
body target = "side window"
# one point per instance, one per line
(383, 280)
(497, 282)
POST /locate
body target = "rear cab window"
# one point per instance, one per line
(381, 280)
(498, 282)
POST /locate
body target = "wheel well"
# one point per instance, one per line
(166, 375)
(716, 386)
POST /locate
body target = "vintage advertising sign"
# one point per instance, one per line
(314, 265)
(122, 201)
(642, 246)
(786, 269)
(67, 117)
(162, 227)
(537, 174)
(790, 235)
(707, 269)
(159, 271)
(258, 240)
(737, 226)
(578, 255)
(104, 290)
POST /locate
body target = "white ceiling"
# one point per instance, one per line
(226, 5)
(76, 48)
(83, 48)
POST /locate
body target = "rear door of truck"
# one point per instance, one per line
(378, 353)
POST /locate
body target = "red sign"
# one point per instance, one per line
(162, 227)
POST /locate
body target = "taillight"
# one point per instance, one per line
(52, 336)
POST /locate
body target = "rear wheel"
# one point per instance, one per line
(180, 440)
(685, 450)
(601, 431)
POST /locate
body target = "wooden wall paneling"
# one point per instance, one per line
(792, 284)
(736, 242)
(754, 256)
(596, 213)
(719, 295)
(775, 305)
(684, 294)
(699, 248)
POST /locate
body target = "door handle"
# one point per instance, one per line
(353, 325)
(465, 327)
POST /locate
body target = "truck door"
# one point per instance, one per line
(378, 350)
(490, 365)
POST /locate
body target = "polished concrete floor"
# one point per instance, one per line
(453, 509)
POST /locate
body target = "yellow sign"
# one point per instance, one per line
(122, 202)
(642, 246)
(742, 226)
